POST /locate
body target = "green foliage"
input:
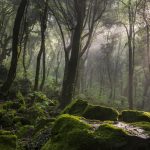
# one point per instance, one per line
(6, 118)
(34, 112)
(39, 97)
(25, 131)
(11, 105)
(22, 120)
(8, 141)
(135, 116)
(43, 122)
(100, 113)
(20, 98)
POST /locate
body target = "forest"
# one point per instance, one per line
(74, 74)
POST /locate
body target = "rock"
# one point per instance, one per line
(73, 133)
(8, 141)
(135, 116)
(100, 113)
(77, 107)
(82, 108)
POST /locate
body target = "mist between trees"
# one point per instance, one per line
(97, 50)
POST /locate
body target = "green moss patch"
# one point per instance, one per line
(135, 116)
(7, 140)
(77, 107)
(144, 125)
(100, 113)
(73, 133)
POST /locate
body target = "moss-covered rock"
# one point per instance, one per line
(77, 107)
(8, 141)
(108, 133)
(63, 127)
(100, 113)
(135, 116)
(144, 125)
(74, 133)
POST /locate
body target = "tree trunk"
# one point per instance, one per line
(15, 50)
(42, 51)
(69, 80)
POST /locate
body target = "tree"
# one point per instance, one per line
(43, 22)
(77, 22)
(132, 7)
(15, 47)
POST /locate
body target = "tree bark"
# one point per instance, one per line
(69, 82)
(42, 51)
(15, 50)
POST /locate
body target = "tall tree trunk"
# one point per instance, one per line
(15, 50)
(69, 82)
(25, 49)
(131, 55)
(42, 50)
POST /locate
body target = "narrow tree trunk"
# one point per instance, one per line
(42, 51)
(15, 51)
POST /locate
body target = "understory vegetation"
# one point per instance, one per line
(74, 74)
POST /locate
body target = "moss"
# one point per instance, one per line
(33, 113)
(40, 97)
(71, 133)
(64, 127)
(135, 116)
(143, 125)
(100, 113)
(6, 118)
(77, 107)
(7, 140)
(4, 132)
(108, 133)
(40, 137)
(25, 131)
(43, 122)
(67, 122)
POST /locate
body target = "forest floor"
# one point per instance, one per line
(35, 123)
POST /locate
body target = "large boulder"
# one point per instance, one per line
(100, 113)
(135, 116)
(82, 108)
(76, 133)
